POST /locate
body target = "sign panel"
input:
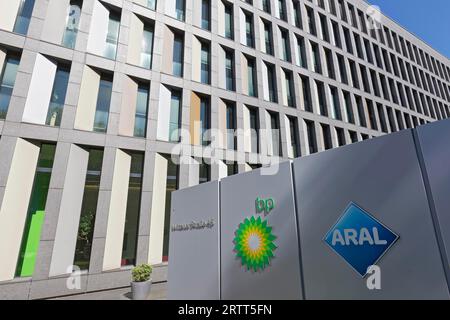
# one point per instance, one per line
(435, 149)
(259, 242)
(383, 177)
(194, 243)
(359, 238)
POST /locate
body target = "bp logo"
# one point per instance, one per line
(254, 243)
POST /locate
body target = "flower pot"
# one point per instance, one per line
(141, 290)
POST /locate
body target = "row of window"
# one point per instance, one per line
(82, 256)
(381, 59)
(51, 111)
(360, 21)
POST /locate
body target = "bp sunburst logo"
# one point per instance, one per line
(254, 243)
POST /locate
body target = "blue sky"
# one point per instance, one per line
(428, 19)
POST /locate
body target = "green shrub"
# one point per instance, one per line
(141, 273)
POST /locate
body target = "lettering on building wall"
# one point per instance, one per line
(194, 225)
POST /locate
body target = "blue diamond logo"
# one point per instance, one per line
(360, 239)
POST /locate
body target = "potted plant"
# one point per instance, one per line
(141, 284)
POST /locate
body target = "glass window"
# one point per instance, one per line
(301, 53)
(231, 127)
(272, 83)
(205, 172)
(140, 124)
(58, 97)
(112, 37)
(266, 5)
(316, 58)
(268, 38)
(297, 14)
(252, 91)
(276, 137)
(289, 89)
(178, 51)
(206, 14)
(282, 9)
(72, 23)
(147, 48)
(254, 127)
(88, 210)
(336, 108)
(7, 81)
(311, 132)
(285, 43)
(293, 126)
(151, 4)
(103, 103)
(24, 16)
(321, 98)
(36, 212)
(311, 21)
(249, 30)
(232, 169)
(229, 21)
(175, 109)
(229, 70)
(179, 9)
(205, 121)
(172, 184)
(130, 236)
(327, 142)
(205, 57)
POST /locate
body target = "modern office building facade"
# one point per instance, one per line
(98, 97)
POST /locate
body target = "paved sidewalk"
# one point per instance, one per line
(159, 292)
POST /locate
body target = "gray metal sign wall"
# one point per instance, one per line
(315, 228)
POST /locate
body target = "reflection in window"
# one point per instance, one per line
(254, 127)
(130, 236)
(275, 134)
(23, 17)
(251, 77)
(172, 184)
(231, 126)
(88, 210)
(204, 172)
(293, 126)
(36, 212)
(140, 123)
(147, 48)
(229, 70)
(103, 103)
(205, 121)
(7, 81)
(175, 109)
(229, 21)
(178, 51)
(205, 14)
(58, 97)
(151, 4)
(72, 23)
(205, 57)
(249, 30)
(113, 35)
(179, 9)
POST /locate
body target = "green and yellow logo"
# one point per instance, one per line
(254, 243)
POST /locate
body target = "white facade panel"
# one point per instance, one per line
(40, 91)
(14, 208)
(117, 211)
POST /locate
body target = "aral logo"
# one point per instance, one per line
(253, 243)
(359, 238)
